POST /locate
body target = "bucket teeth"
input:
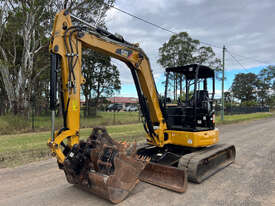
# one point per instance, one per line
(143, 158)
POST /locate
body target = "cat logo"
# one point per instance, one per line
(124, 52)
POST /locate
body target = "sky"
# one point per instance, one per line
(244, 27)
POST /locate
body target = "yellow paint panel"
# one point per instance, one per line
(192, 139)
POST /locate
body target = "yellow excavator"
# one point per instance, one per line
(181, 138)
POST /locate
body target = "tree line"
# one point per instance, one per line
(251, 89)
(25, 29)
(247, 89)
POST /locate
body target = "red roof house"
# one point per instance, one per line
(130, 100)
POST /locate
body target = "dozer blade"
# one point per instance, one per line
(206, 162)
(168, 177)
(104, 167)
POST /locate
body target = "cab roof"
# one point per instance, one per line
(190, 71)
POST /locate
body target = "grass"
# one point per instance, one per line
(18, 149)
(242, 117)
(15, 124)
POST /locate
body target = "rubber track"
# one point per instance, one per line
(206, 162)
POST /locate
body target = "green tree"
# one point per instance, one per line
(244, 87)
(265, 87)
(207, 56)
(24, 30)
(23, 38)
(102, 77)
(91, 11)
(227, 97)
(180, 50)
(3, 97)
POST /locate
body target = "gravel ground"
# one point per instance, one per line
(249, 181)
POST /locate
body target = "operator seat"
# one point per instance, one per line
(202, 99)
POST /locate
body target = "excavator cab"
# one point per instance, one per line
(193, 110)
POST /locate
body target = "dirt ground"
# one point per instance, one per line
(249, 181)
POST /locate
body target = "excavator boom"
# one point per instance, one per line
(100, 164)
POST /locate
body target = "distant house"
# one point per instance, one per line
(123, 100)
(82, 102)
(101, 100)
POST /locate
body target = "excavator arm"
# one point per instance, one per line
(139, 65)
(66, 45)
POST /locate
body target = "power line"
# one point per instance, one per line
(236, 60)
(173, 32)
(141, 19)
(245, 57)
(158, 26)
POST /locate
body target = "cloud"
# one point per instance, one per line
(245, 27)
(218, 93)
(116, 19)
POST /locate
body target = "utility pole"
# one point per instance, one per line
(223, 56)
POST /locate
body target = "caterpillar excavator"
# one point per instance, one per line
(181, 138)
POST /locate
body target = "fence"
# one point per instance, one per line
(35, 121)
(39, 118)
(245, 110)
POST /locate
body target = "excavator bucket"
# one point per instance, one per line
(109, 169)
(117, 186)
(168, 177)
